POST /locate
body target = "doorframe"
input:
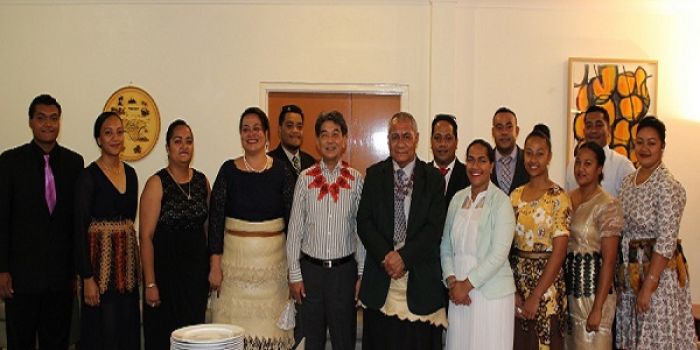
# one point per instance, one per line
(371, 89)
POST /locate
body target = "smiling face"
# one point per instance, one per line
(505, 131)
(648, 147)
(291, 131)
(586, 168)
(403, 141)
(331, 142)
(180, 148)
(444, 143)
(253, 134)
(45, 124)
(479, 167)
(537, 156)
(111, 139)
(596, 128)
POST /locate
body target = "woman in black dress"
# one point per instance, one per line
(173, 246)
(107, 255)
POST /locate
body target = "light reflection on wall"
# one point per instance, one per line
(682, 67)
(380, 142)
(687, 81)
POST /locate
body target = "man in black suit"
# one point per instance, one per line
(443, 142)
(291, 132)
(400, 220)
(37, 274)
(509, 172)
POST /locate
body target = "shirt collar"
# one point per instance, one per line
(513, 154)
(291, 155)
(607, 151)
(40, 151)
(408, 169)
(449, 166)
(325, 168)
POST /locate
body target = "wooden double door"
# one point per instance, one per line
(367, 117)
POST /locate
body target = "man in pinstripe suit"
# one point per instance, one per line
(324, 253)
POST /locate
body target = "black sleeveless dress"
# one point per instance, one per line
(181, 261)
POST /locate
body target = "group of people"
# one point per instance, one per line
(492, 250)
(573, 262)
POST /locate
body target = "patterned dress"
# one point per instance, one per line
(254, 291)
(593, 220)
(538, 222)
(653, 210)
(107, 250)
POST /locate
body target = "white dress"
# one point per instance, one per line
(485, 323)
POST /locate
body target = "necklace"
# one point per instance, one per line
(320, 181)
(187, 194)
(250, 168)
(113, 170)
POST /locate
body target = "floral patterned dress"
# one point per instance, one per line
(538, 222)
(653, 210)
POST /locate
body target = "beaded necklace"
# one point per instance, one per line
(320, 181)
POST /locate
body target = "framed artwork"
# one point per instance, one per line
(626, 89)
(141, 120)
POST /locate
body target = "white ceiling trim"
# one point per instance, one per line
(217, 2)
(659, 6)
(654, 6)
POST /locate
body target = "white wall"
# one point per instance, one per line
(518, 53)
(204, 61)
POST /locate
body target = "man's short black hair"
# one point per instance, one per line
(504, 109)
(445, 117)
(289, 109)
(599, 109)
(43, 99)
(333, 116)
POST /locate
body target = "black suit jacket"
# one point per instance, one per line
(520, 177)
(420, 254)
(306, 160)
(36, 247)
(458, 181)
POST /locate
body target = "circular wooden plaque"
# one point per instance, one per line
(141, 120)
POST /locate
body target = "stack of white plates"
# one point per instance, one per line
(207, 337)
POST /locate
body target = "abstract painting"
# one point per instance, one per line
(626, 89)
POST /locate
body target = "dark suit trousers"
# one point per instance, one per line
(47, 314)
(329, 303)
(382, 332)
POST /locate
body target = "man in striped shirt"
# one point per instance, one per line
(324, 253)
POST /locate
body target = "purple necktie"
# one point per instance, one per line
(49, 185)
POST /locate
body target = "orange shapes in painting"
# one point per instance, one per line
(621, 92)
